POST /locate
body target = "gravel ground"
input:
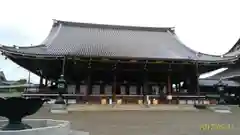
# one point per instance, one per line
(147, 123)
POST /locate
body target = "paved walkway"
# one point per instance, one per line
(78, 107)
(147, 122)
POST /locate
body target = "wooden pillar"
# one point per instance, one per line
(145, 87)
(77, 89)
(177, 91)
(145, 91)
(127, 88)
(46, 82)
(102, 91)
(197, 82)
(179, 86)
(114, 85)
(89, 87)
(41, 82)
(169, 84)
(114, 89)
(145, 83)
(160, 91)
(88, 81)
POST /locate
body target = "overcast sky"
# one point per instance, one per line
(208, 26)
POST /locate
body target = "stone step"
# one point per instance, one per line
(75, 132)
(220, 109)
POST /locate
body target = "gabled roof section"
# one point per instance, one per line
(212, 82)
(98, 40)
(2, 76)
(229, 73)
(4, 81)
(235, 48)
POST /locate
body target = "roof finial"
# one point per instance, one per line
(55, 20)
(198, 54)
(172, 30)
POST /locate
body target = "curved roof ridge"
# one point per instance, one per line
(195, 52)
(214, 55)
(177, 38)
(52, 34)
(126, 27)
(235, 50)
(23, 47)
(32, 46)
(234, 47)
(72, 38)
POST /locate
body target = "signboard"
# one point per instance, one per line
(61, 85)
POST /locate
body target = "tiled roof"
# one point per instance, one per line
(83, 39)
(212, 82)
(227, 74)
(235, 48)
(2, 76)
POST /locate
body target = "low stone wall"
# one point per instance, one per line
(41, 127)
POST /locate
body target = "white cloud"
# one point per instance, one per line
(209, 26)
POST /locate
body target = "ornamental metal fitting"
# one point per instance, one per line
(114, 66)
(198, 54)
(89, 64)
(169, 68)
(145, 65)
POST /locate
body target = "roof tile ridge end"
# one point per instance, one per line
(222, 56)
(55, 34)
(8, 46)
(177, 38)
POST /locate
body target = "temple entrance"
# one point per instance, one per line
(125, 93)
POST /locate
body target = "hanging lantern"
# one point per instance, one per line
(61, 84)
